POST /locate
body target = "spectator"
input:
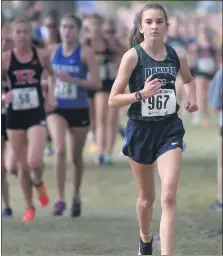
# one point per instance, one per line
(36, 25)
(215, 101)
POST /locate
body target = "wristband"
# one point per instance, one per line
(143, 95)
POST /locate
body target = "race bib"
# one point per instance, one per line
(65, 91)
(206, 65)
(112, 71)
(3, 110)
(102, 71)
(25, 98)
(161, 104)
(107, 71)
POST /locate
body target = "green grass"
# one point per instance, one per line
(108, 225)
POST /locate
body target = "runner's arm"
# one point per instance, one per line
(89, 59)
(189, 84)
(117, 97)
(45, 57)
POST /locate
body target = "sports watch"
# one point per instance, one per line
(138, 96)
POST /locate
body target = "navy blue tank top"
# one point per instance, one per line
(162, 105)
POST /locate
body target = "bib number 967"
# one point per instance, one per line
(158, 102)
(161, 104)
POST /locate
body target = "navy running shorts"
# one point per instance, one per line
(145, 141)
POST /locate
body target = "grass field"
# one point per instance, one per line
(108, 225)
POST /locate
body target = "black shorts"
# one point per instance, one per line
(145, 142)
(193, 71)
(91, 93)
(204, 75)
(3, 132)
(106, 86)
(74, 117)
(25, 119)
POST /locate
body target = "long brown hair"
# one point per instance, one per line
(135, 36)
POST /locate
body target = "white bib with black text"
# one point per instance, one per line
(107, 71)
(206, 65)
(161, 104)
(65, 91)
(25, 98)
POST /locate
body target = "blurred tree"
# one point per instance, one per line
(181, 4)
(59, 7)
(170, 4)
(117, 4)
(14, 9)
(177, 4)
(26, 8)
(126, 4)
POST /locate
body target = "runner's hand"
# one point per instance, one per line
(191, 104)
(8, 97)
(65, 77)
(151, 87)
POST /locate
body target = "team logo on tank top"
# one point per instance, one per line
(25, 76)
(159, 70)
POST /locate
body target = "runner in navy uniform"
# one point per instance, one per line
(26, 115)
(154, 131)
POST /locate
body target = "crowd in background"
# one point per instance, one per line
(197, 33)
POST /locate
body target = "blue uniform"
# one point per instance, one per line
(72, 99)
(67, 95)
